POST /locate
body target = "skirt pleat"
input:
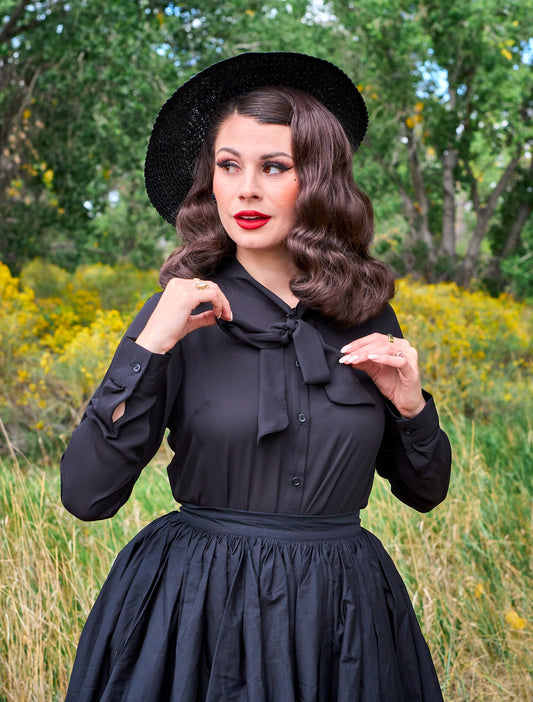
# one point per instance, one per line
(208, 605)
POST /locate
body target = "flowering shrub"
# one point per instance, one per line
(58, 332)
(57, 336)
(475, 351)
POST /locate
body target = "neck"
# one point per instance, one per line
(273, 270)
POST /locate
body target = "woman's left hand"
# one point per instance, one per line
(392, 364)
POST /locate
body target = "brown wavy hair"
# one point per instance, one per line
(330, 242)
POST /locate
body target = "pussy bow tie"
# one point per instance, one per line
(319, 364)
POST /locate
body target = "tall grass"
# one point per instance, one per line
(52, 566)
(467, 566)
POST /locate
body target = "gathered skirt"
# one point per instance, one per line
(218, 605)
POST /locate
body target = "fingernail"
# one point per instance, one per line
(348, 358)
(372, 356)
(344, 349)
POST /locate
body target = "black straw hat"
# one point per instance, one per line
(181, 124)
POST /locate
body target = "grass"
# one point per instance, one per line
(467, 565)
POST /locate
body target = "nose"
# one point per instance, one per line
(249, 187)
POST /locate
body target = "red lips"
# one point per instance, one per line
(251, 219)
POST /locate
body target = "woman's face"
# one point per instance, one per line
(255, 183)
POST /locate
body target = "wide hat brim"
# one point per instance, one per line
(181, 124)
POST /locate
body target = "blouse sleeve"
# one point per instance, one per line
(104, 458)
(415, 454)
(415, 457)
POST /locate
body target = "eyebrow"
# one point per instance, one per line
(263, 157)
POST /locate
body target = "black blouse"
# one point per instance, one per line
(261, 417)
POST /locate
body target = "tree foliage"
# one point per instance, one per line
(447, 160)
(451, 87)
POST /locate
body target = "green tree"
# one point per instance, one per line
(451, 91)
(80, 84)
(447, 160)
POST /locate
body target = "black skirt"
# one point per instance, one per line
(218, 605)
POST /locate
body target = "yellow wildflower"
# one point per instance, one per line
(479, 590)
(514, 620)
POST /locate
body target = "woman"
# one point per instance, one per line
(280, 370)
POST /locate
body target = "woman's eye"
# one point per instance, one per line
(228, 166)
(275, 168)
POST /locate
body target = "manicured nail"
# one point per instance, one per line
(373, 356)
(345, 348)
(348, 358)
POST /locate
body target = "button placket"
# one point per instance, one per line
(298, 409)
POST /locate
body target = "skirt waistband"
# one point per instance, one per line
(293, 527)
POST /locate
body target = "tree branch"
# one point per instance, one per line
(10, 30)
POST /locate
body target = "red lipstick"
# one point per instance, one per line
(251, 219)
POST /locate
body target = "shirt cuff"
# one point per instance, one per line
(419, 429)
(133, 362)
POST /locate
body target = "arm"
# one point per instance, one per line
(104, 457)
(124, 423)
(415, 457)
(415, 454)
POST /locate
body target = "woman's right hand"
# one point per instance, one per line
(172, 319)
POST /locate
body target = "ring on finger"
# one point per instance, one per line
(399, 353)
(201, 284)
(390, 338)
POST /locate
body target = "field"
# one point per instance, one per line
(467, 564)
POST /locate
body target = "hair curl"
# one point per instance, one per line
(330, 242)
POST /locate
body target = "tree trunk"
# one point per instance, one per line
(421, 229)
(484, 213)
(449, 162)
(512, 241)
(414, 214)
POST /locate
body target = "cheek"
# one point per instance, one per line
(287, 197)
(220, 188)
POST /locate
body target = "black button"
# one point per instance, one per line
(136, 367)
(409, 430)
(302, 418)
(296, 481)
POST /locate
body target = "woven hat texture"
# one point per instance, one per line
(181, 124)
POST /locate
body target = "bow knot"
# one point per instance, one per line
(289, 326)
(318, 364)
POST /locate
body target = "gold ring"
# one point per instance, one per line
(200, 284)
(391, 338)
